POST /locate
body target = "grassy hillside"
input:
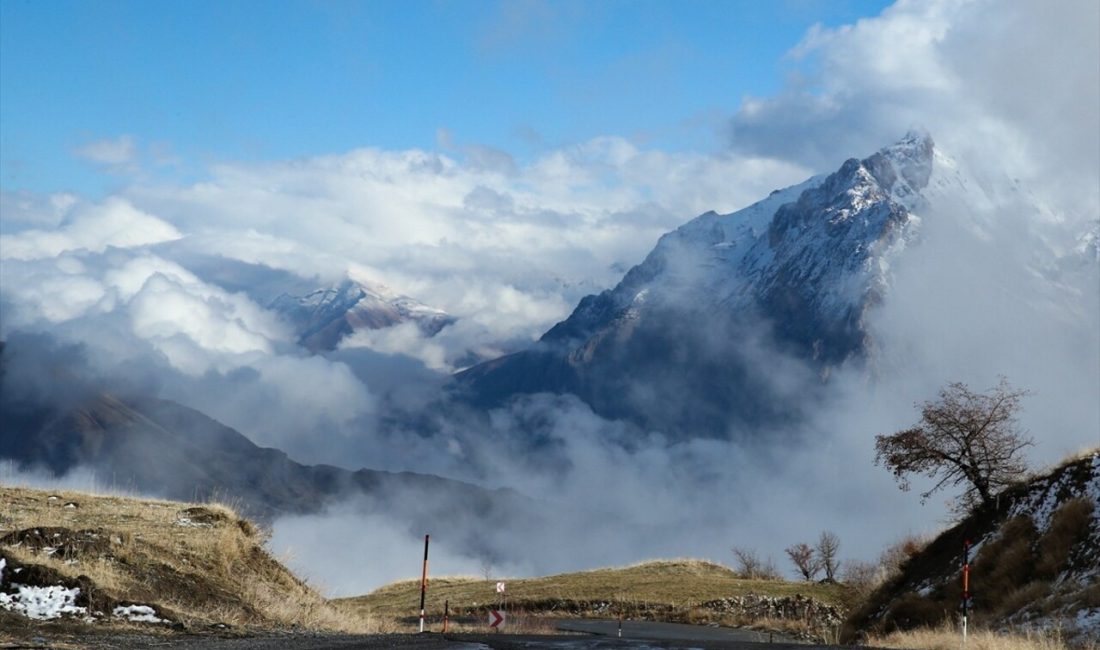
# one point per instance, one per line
(1035, 563)
(679, 590)
(110, 560)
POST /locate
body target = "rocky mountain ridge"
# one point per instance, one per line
(797, 271)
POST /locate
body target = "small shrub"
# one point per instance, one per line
(1005, 563)
(1068, 526)
(1024, 597)
(913, 611)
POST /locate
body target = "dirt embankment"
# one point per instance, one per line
(105, 561)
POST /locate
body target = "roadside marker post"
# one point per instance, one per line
(446, 614)
(966, 587)
(424, 582)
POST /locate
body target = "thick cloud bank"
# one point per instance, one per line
(162, 286)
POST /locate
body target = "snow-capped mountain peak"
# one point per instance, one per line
(679, 343)
(326, 315)
(807, 261)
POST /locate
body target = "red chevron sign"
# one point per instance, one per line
(496, 618)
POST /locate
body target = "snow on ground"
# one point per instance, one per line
(1041, 504)
(1088, 622)
(42, 602)
(137, 614)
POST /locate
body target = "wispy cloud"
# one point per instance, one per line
(116, 153)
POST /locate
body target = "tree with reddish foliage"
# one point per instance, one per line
(964, 438)
(804, 559)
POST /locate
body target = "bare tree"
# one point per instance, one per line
(862, 577)
(750, 566)
(803, 557)
(964, 438)
(827, 547)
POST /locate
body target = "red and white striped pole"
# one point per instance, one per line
(966, 586)
(424, 582)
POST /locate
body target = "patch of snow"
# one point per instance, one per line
(43, 603)
(1088, 621)
(186, 522)
(1041, 504)
(137, 614)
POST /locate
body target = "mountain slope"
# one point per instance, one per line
(166, 449)
(1035, 561)
(679, 343)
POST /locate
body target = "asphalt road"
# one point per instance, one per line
(597, 635)
(660, 631)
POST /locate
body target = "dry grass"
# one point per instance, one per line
(948, 637)
(669, 590)
(200, 563)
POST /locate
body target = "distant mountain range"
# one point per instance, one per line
(158, 447)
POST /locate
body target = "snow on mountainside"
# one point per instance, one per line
(799, 270)
(325, 316)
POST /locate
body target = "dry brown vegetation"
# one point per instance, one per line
(1032, 568)
(198, 565)
(949, 638)
(675, 590)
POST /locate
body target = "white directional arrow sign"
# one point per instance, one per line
(500, 587)
(496, 618)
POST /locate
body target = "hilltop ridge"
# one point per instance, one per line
(102, 560)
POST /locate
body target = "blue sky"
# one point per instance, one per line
(192, 83)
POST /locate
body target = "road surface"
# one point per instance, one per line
(660, 631)
(597, 635)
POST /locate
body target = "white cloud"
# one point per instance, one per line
(114, 222)
(511, 248)
(406, 339)
(118, 152)
(1014, 86)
